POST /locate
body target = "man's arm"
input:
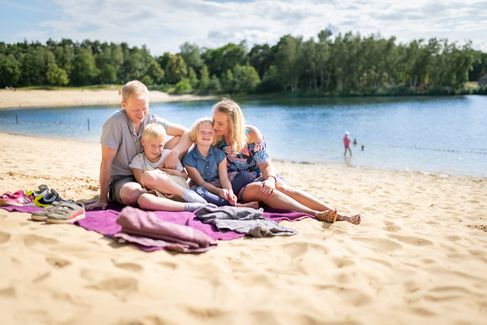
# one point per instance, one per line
(180, 148)
(107, 156)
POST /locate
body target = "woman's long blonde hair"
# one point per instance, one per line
(236, 120)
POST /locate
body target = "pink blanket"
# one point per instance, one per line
(104, 221)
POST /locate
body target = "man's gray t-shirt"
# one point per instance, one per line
(117, 133)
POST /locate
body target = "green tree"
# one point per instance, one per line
(176, 69)
(108, 74)
(246, 79)
(204, 83)
(56, 76)
(84, 70)
(286, 62)
(192, 55)
(224, 58)
(214, 84)
(9, 71)
(183, 86)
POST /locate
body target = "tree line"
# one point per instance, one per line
(342, 64)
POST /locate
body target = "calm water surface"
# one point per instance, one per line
(431, 134)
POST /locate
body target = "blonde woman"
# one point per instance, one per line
(247, 157)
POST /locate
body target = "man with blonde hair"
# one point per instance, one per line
(121, 141)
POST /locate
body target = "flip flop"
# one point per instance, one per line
(64, 212)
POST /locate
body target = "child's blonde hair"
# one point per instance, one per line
(154, 131)
(236, 120)
(134, 87)
(196, 125)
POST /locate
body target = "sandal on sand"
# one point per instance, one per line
(39, 215)
(18, 198)
(47, 198)
(64, 212)
(329, 216)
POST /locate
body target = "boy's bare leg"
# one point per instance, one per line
(148, 201)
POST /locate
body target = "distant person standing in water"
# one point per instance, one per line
(354, 141)
(346, 144)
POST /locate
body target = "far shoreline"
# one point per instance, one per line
(31, 99)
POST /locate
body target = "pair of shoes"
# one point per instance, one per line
(45, 196)
(329, 216)
(18, 198)
(60, 212)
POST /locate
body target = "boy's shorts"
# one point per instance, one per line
(115, 185)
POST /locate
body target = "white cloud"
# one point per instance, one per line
(164, 25)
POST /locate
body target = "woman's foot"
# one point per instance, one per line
(355, 219)
(251, 204)
(329, 216)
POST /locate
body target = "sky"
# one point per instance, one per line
(165, 25)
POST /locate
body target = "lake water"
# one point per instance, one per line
(431, 134)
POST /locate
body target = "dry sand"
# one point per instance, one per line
(10, 98)
(419, 257)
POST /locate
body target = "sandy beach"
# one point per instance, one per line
(20, 98)
(419, 256)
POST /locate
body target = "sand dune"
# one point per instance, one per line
(419, 256)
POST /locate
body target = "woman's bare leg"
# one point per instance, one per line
(303, 197)
(276, 200)
(252, 204)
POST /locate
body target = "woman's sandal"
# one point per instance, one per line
(329, 216)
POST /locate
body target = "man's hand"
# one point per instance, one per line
(97, 204)
(171, 161)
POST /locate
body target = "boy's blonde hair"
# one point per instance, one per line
(236, 120)
(196, 125)
(154, 131)
(134, 87)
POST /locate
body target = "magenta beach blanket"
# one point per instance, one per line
(105, 221)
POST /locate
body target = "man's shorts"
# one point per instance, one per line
(116, 184)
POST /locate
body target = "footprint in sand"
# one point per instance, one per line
(4, 237)
(129, 266)
(453, 237)
(117, 284)
(169, 265)
(8, 292)
(391, 226)
(32, 240)
(342, 262)
(57, 262)
(412, 240)
(422, 311)
(352, 296)
(381, 244)
(299, 249)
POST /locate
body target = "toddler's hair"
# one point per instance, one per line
(154, 131)
(196, 125)
(134, 87)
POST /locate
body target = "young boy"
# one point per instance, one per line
(150, 161)
(207, 167)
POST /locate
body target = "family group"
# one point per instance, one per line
(154, 164)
